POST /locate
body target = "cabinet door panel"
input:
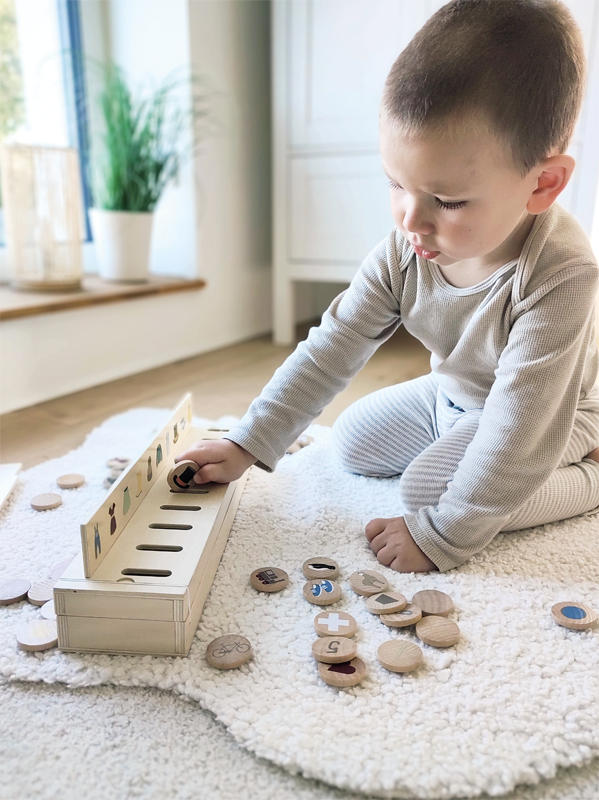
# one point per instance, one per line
(339, 208)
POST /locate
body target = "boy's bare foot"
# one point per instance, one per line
(594, 454)
(392, 542)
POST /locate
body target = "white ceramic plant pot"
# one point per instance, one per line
(122, 241)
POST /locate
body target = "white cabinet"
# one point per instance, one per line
(330, 59)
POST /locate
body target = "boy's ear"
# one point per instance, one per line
(552, 177)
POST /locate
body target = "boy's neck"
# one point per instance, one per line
(463, 274)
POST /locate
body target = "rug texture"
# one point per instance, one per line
(517, 698)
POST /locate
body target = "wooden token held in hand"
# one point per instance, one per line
(386, 603)
(71, 481)
(40, 634)
(320, 567)
(47, 610)
(335, 623)
(368, 582)
(437, 631)
(576, 616)
(13, 590)
(229, 652)
(409, 615)
(334, 649)
(322, 593)
(269, 579)
(431, 601)
(44, 502)
(348, 673)
(180, 478)
(397, 655)
(41, 592)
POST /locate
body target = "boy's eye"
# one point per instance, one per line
(393, 185)
(449, 206)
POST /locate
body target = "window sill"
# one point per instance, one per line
(15, 303)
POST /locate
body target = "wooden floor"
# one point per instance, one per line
(222, 382)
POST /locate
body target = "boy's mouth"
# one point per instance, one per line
(429, 254)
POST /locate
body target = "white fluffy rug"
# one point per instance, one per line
(515, 699)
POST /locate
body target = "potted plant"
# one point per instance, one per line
(144, 139)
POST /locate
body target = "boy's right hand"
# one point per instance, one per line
(220, 460)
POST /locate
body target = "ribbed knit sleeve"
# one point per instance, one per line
(357, 322)
(526, 422)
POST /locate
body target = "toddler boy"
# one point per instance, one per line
(484, 268)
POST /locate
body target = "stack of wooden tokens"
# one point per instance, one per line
(116, 466)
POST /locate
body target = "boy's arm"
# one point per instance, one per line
(357, 322)
(525, 425)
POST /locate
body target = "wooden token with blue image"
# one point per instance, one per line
(576, 616)
(322, 592)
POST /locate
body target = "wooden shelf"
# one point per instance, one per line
(15, 303)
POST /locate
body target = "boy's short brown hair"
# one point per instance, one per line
(519, 62)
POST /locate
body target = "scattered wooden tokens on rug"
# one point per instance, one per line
(269, 579)
(386, 603)
(47, 610)
(431, 601)
(322, 593)
(41, 592)
(39, 634)
(334, 649)
(44, 502)
(335, 623)
(181, 475)
(348, 673)
(71, 481)
(229, 652)
(368, 582)
(320, 567)
(397, 655)
(409, 615)
(13, 590)
(60, 568)
(437, 631)
(576, 616)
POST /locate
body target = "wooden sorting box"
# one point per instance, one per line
(149, 555)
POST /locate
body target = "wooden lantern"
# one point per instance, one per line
(43, 216)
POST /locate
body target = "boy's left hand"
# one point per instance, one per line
(392, 542)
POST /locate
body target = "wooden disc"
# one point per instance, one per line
(41, 592)
(335, 623)
(44, 502)
(576, 616)
(39, 634)
(386, 603)
(269, 579)
(437, 631)
(409, 615)
(322, 592)
(431, 601)
(368, 582)
(397, 655)
(304, 440)
(320, 567)
(71, 481)
(334, 649)
(47, 610)
(13, 590)
(118, 463)
(181, 475)
(59, 569)
(229, 652)
(348, 673)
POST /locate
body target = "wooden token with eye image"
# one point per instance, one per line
(229, 652)
(409, 615)
(386, 603)
(437, 631)
(431, 601)
(180, 477)
(397, 655)
(576, 616)
(320, 567)
(269, 579)
(13, 590)
(348, 673)
(335, 623)
(322, 592)
(334, 649)
(368, 582)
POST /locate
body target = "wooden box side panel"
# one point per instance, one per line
(102, 635)
(101, 604)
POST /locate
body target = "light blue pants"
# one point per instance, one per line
(412, 429)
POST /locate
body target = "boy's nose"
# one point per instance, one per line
(415, 221)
